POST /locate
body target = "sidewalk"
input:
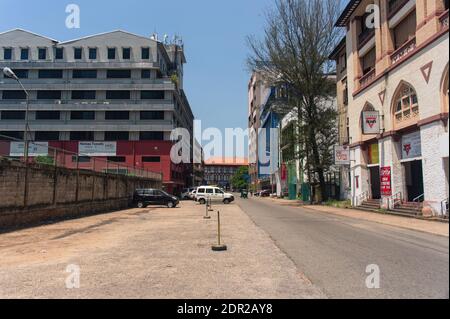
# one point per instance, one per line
(427, 226)
(150, 253)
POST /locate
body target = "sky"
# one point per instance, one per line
(213, 31)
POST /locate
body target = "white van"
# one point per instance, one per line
(214, 193)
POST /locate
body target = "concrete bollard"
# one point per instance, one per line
(210, 205)
(219, 246)
(207, 210)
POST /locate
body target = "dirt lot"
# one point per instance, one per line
(149, 253)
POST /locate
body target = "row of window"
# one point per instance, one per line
(82, 115)
(82, 74)
(83, 95)
(116, 159)
(77, 53)
(83, 136)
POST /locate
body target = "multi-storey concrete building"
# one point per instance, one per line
(117, 88)
(340, 56)
(397, 79)
(256, 92)
(220, 170)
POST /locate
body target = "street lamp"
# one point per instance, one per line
(10, 74)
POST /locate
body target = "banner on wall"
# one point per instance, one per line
(371, 122)
(386, 181)
(411, 145)
(341, 155)
(34, 149)
(97, 148)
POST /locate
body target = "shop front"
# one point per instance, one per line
(412, 169)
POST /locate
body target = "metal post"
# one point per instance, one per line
(78, 178)
(219, 246)
(25, 146)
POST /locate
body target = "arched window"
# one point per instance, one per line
(406, 104)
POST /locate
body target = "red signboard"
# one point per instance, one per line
(386, 185)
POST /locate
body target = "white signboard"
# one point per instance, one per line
(411, 145)
(17, 149)
(371, 122)
(341, 155)
(97, 148)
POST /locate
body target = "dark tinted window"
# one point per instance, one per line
(7, 54)
(14, 95)
(77, 53)
(81, 136)
(151, 159)
(146, 74)
(145, 53)
(152, 95)
(82, 115)
(59, 53)
(46, 136)
(21, 74)
(93, 53)
(84, 74)
(117, 115)
(111, 53)
(50, 74)
(117, 159)
(118, 74)
(152, 115)
(42, 54)
(48, 115)
(83, 95)
(117, 136)
(151, 136)
(24, 54)
(118, 95)
(13, 135)
(13, 115)
(126, 53)
(48, 95)
(81, 159)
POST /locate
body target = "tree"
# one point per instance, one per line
(240, 178)
(44, 160)
(298, 39)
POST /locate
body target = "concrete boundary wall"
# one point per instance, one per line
(56, 192)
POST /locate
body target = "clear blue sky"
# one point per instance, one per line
(213, 31)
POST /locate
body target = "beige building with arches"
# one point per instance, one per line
(396, 88)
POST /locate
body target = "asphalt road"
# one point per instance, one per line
(334, 252)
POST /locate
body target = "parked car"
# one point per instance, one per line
(214, 193)
(185, 194)
(265, 193)
(192, 194)
(145, 197)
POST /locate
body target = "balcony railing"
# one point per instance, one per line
(395, 6)
(367, 78)
(403, 51)
(365, 36)
(443, 20)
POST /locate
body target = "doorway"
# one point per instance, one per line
(414, 180)
(375, 182)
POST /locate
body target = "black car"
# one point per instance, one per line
(146, 197)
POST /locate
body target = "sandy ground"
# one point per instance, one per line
(150, 253)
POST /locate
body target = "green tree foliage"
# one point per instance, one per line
(239, 180)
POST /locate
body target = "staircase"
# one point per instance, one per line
(370, 205)
(408, 209)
